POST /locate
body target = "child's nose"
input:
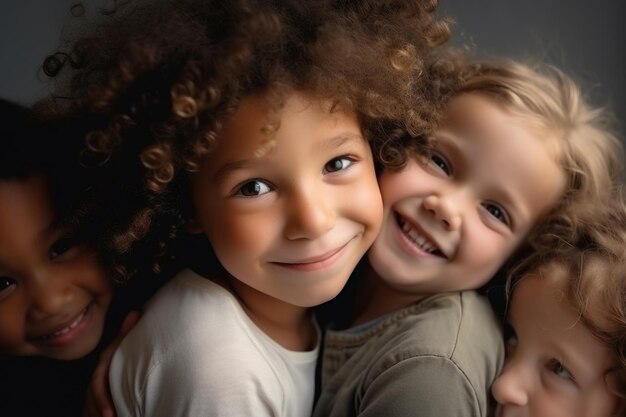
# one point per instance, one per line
(444, 208)
(511, 386)
(309, 216)
(49, 295)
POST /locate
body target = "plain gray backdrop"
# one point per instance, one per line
(585, 38)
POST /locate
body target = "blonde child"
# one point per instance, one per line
(567, 326)
(253, 121)
(517, 145)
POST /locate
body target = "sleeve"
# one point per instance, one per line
(192, 383)
(180, 390)
(425, 386)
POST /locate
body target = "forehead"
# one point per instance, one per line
(23, 198)
(540, 310)
(26, 213)
(496, 109)
(257, 126)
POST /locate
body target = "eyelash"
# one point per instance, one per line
(498, 213)
(441, 164)
(351, 161)
(241, 190)
(60, 247)
(5, 284)
(510, 337)
(262, 187)
(559, 370)
(553, 366)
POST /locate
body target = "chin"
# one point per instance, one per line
(72, 354)
(322, 295)
(77, 350)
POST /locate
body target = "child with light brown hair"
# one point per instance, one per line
(566, 336)
(518, 146)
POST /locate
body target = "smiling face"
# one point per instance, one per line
(292, 222)
(53, 294)
(450, 221)
(554, 365)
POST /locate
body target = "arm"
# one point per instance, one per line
(425, 386)
(98, 402)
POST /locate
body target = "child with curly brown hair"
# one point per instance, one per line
(59, 305)
(518, 147)
(566, 336)
(54, 293)
(253, 121)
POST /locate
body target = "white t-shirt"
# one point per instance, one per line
(195, 352)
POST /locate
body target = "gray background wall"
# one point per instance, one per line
(586, 38)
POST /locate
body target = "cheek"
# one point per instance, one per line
(390, 184)
(551, 404)
(11, 330)
(602, 403)
(481, 256)
(379, 258)
(412, 180)
(364, 204)
(89, 275)
(242, 235)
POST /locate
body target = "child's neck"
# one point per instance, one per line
(288, 325)
(374, 298)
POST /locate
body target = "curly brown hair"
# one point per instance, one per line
(158, 78)
(590, 271)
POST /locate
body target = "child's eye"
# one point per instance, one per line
(61, 246)
(338, 164)
(498, 212)
(253, 188)
(558, 369)
(440, 163)
(5, 284)
(510, 337)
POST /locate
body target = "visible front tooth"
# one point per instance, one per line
(68, 328)
(417, 238)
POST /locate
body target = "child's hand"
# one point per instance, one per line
(98, 401)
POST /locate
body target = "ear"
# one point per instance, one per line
(193, 227)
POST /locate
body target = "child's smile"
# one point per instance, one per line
(418, 239)
(292, 222)
(452, 218)
(66, 331)
(54, 295)
(315, 263)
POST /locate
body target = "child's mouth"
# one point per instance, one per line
(67, 332)
(423, 243)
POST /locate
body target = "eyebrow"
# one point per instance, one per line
(330, 143)
(226, 169)
(341, 139)
(579, 364)
(575, 361)
(54, 226)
